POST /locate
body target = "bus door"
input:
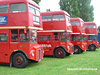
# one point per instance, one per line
(14, 40)
(4, 45)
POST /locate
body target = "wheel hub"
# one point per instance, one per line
(76, 49)
(59, 53)
(19, 60)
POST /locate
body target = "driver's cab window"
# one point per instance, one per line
(63, 36)
(23, 37)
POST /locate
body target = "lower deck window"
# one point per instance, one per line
(89, 37)
(3, 37)
(44, 38)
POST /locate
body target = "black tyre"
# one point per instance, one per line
(67, 54)
(77, 50)
(19, 60)
(59, 53)
(92, 48)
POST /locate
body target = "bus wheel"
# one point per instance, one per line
(60, 53)
(77, 50)
(19, 60)
(92, 48)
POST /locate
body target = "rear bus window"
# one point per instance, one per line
(58, 17)
(3, 37)
(3, 8)
(19, 7)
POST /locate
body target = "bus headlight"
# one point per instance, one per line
(43, 51)
(32, 54)
(68, 47)
(83, 46)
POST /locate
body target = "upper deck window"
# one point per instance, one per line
(3, 8)
(36, 20)
(31, 8)
(46, 18)
(85, 26)
(82, 23)
(58, 17)
(37, 11)
(75, 23)
(68, 21)
(19, 7)
(91, 26)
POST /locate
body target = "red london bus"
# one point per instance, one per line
(77, 35)
(19, 22)
(55, 37)
(91, 35)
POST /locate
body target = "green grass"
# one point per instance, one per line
(54, 66)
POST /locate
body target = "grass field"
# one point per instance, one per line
(54, 66)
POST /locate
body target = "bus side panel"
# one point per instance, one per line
(4, 46)
(47, 45)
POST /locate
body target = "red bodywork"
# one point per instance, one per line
(19, 21)
(78, 32)
(51, 27)
(91, 31)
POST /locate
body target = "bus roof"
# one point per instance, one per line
(2, 2)
(54, 12)
(75, 19)
(90, 23)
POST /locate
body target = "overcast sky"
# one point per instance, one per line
(53, 5)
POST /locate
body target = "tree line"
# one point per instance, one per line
(77, 8)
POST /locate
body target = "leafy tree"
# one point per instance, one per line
(71, 6)
(78, 8)
(99, 29)
(86, 10)
(37, 1)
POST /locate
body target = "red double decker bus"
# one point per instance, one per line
(55, 37)
(91, 35)
(19, 22)
(77, 35)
